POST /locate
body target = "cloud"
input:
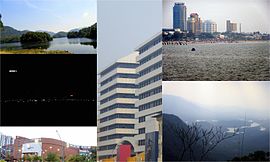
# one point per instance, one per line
(246, 95)
(32, 5)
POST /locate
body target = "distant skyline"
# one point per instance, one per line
(48, 15)
(252, 14)
(251, 97)
(84, 136)
(123, 25)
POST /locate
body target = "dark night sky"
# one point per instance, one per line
(48, 77)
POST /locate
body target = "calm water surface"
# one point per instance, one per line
(73, 45)
(224, 61)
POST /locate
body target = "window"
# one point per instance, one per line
(118, 85)
(151, 56)
(119, 75)
(107, 147)
(141, 130)
(150, 81)
(114, 136)
(150, 105)
(118, 95)
(118, 65)
(141, 119)
(150, 92)
(118, 105)
(150, 44)
(114, 126)
(141, 142)
(114, 116)
(150, 68)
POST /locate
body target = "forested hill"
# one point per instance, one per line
(9, 34)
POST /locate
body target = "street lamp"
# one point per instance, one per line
(62, 145)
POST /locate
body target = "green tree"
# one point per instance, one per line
(77, 158)
(52, 157)
(29, 158)
(37, 158)
(35, 37)
(256, 156)
(1, 23)
(93, 32)
(89, 32)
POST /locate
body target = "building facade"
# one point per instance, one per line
(231, 27)
(209, 26)
(179, 16)
(116, 118)
(6, 145)
(41, 147)
(128, 128)
(150, 93)
(194, 24)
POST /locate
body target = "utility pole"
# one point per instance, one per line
(242, 146)
(240, 28)
(62, 145)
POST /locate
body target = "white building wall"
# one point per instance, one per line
(131, 60)
(150, 124)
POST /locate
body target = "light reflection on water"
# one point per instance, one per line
(73, 45)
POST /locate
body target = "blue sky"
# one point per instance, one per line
(50, 15)
(125, 24)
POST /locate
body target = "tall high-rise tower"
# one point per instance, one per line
(194, 24)
(179, 16)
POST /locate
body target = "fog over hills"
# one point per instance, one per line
(189, 111)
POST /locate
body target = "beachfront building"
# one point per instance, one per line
(231, 27)
(209, 26)
(194, 24)
(150, 97)
(179, 16)
(116, 110)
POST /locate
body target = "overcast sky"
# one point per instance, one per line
(123, 25)
(250, 96)
(252, 14)
(84, 136)
(49, 15)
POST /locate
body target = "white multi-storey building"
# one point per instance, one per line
(149, 93)
(116, 118)
(130, 103)
(209, 26)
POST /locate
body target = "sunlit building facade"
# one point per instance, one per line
(129, 124)
(116, 118)
(194, 24)
(150, 96)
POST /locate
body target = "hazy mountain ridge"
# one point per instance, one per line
(189, 111)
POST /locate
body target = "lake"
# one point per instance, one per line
(217, 61)
(73, 45)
